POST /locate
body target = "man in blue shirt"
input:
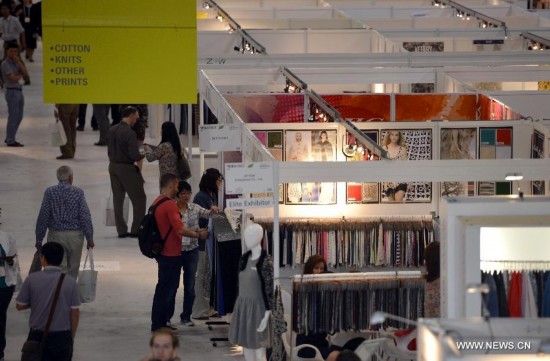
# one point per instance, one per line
(66, 216)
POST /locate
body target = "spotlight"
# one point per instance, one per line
(206, 5)
(219, 18)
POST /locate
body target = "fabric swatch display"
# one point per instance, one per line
(344, 304)
(518, 294)
(357, 243)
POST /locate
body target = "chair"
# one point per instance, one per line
(289, 341)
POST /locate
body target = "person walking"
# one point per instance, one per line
(9, 276)
(125, 176)
(171, 228)
(13, 70)
(37, 293)
(64, 213)
(28, 17)
(67, 115)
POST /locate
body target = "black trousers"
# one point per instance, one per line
(5, 298)
(57, 347)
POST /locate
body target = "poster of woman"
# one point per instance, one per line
(458, 143)
(402, 145)
(311, 146)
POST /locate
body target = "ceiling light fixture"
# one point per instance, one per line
(513, 176)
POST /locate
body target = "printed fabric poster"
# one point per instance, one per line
(361, 107)
(403, 145)
(268, 108)
(421, 107)
(367, 192)
(310, 146)
(495, 143)
(273, 141)
(537, 152)
(458, 143)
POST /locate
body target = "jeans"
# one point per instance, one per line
(16, 102)
(166, 289)
(5, 298)
(189, 261)
(58, 345)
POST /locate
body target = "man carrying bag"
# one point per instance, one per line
(47, 293)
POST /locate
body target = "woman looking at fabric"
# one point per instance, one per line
(316, 264)
(432, 291)
(209, 186)
(168, 151)
(190, 214)
(255, 298)
(394, 144)
(164, 346)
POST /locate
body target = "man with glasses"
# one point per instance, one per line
(190, 213)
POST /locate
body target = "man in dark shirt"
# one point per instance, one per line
(125, 176)
(37, 293)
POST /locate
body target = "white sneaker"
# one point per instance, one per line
(188, 323)
(168, 325)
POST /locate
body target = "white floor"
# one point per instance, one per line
(115, 326)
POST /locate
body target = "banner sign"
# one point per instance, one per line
(116, 52)
(242, 203)
(220, 137)
(248, 178)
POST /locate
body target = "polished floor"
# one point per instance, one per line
(115, 326)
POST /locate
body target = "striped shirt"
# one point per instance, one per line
(190, 219)
(64, 208)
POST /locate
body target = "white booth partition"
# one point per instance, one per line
(522, 88)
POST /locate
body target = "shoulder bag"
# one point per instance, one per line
(32, 350)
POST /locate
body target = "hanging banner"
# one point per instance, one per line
(116, 52)
(243, 203)
(220, 137)
(248, 178)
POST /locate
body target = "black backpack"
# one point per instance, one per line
(150, 240)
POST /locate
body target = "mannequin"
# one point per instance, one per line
(254, 303)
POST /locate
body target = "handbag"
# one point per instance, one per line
(36, 265)
(184, 171)
(110, 210)
(87, 280)
(57, 134)
(32, 350)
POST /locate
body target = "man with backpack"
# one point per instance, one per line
(171, 228)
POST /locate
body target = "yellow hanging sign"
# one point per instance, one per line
(119, 51)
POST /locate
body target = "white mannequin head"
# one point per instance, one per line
(253, 234)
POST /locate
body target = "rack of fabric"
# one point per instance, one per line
(517, 288)
(345, 301)
(381, 242)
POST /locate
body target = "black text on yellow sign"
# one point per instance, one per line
(95, 61)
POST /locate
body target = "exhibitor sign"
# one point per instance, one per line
(248, 178)
(220, 137)
(243, 203)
